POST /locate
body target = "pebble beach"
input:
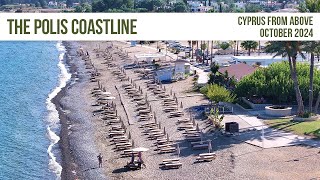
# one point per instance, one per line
(85, 134)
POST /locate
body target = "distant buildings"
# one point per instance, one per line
(55, 4)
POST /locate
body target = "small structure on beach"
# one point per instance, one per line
(176, 71)
(164, 74)
(181, 67)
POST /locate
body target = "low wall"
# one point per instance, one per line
(300, 119)
(278, 112)
(255, 106)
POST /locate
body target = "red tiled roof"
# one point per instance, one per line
(238, 70)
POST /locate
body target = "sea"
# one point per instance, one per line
(31, 74)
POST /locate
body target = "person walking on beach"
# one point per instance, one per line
(100, 160)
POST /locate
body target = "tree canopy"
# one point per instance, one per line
(275, 84)
(249, 45)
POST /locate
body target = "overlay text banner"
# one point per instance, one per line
(162, 26)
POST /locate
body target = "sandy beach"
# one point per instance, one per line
(84, 135)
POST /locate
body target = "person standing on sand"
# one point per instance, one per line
(100, 160)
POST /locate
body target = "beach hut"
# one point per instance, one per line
(164, 74)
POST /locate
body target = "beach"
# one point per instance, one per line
(84, 135)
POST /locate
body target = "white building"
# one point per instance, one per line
(240, 5)
(164, 74)
(148, 57)
(262, 60)
(197, 6)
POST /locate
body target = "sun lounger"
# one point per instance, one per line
(196, 138)
(206, 157)
(166, 145)
(157, 132)
(128, 153)
(124, 147)
(170, 161)
(122, 144)
(115, 134)
(119, 137)
(200, 146)
(185, 127)
(148, 124)
(162, 142)
(121, 141)
(190, 131)
(144, 119)
(143, 112)
(172, 166)
(142, 108)
(156, 136)
(183, 121)
(167, 150)
(170, 103)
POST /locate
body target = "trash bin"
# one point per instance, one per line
(232, 127)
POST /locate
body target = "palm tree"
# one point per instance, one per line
(311, 47)
(289, 49)
(211, 53)
(249, 45)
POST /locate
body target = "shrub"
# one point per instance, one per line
(274, 83)
(217, 93)
(216, 119)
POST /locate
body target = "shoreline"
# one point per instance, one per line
(78, 148)
(66, 157)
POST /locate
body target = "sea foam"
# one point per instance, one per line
(53, 120)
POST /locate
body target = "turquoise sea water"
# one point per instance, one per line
(29, 75)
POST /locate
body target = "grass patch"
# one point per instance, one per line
(311, 128)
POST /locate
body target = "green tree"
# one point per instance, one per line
(43, 3)
(289, 49)
(98, 6)
(180, 7)
(112, 5)
(69, 3)
(249, 45)
(224, 45)
(253, 8)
